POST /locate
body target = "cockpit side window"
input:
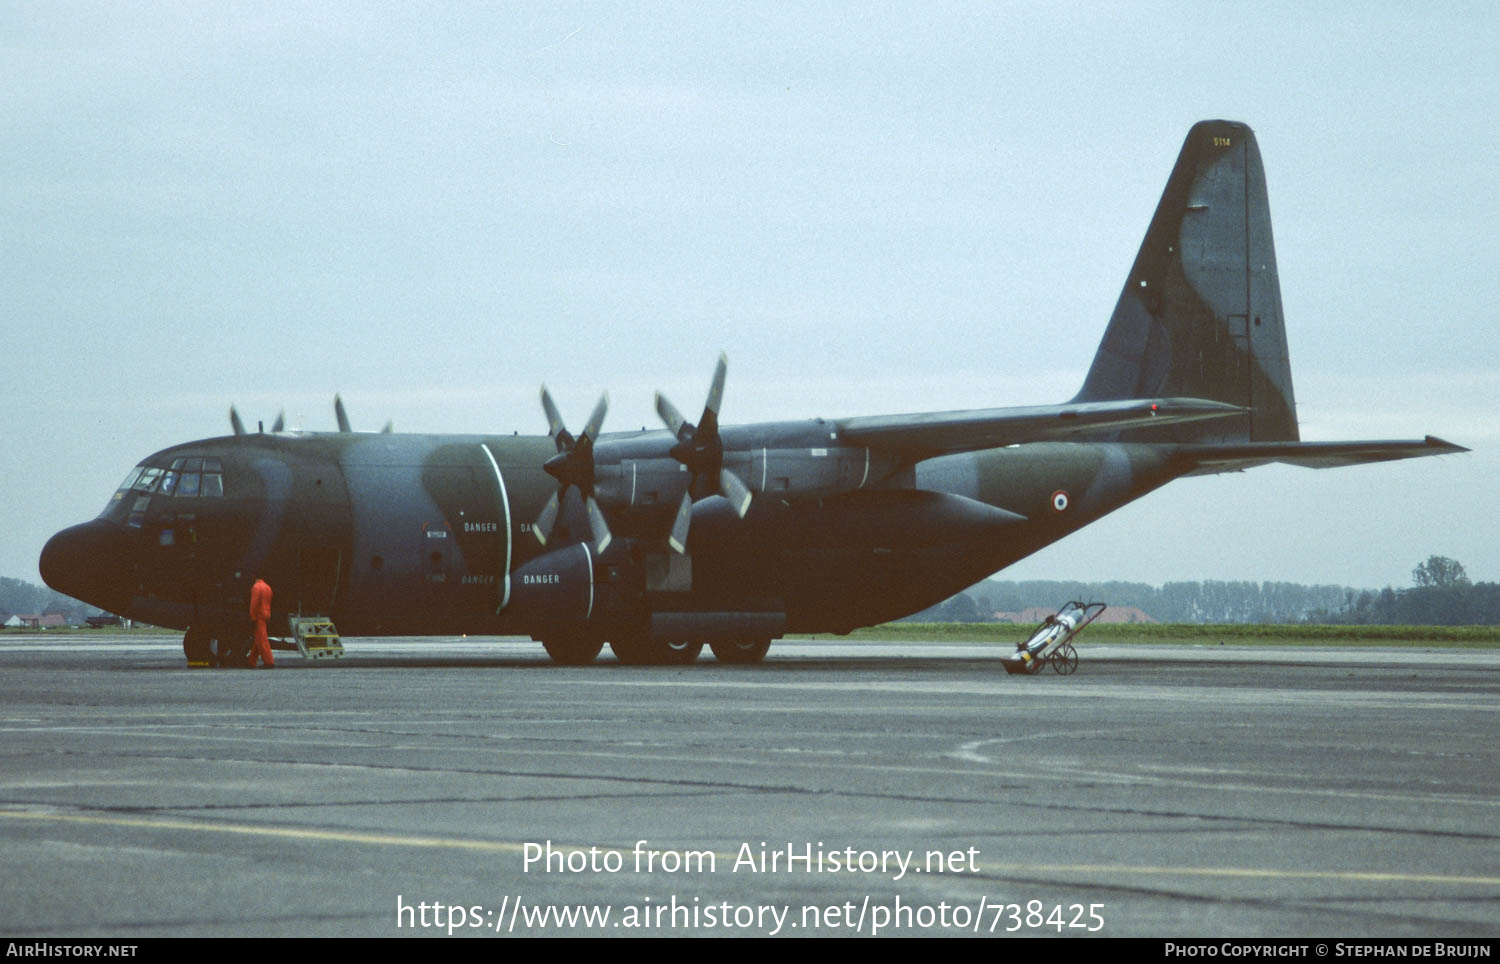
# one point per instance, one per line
(130, 479)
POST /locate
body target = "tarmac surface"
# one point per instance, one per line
(1185, 791)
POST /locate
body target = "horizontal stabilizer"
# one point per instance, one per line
(1235, 457)
(941, 433)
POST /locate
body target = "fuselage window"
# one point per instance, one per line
(189, 485)
(213, 484)
(169, 482)
(147, 481)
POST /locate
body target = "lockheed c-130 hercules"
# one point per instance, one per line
(661, 541)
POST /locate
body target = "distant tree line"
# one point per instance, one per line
(1441, 595)
(1174, 602)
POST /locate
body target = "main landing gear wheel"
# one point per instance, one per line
(741, 651)
(572, 650)
(1064, 660)
(644, 651)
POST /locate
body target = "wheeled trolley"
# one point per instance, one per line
(1051, 643)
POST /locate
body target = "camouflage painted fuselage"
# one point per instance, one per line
(418, 534)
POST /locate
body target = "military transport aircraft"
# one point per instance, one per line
(661, 541)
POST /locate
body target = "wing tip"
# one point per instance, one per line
(1443, 446)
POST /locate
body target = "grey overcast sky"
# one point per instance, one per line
(872, 208)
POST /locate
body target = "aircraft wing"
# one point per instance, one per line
(940, 433)
(1237, 456)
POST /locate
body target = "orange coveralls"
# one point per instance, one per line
(260, 611)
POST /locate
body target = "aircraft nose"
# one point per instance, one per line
(89, 562)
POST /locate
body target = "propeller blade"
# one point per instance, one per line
(542, 528)
(340, 414)
(280, 422)
(235, 423)
(388, 428)
(555, 427)
(735, 491)
(672, 417)
(596, 420)
(598, 526)
(678, 539)
(716, 390)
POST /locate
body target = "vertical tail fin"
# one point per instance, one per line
(1200, 314)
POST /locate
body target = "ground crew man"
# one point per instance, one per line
(260, 611)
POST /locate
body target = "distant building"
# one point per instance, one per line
(37, 621)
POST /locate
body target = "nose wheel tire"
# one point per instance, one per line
(234, 649)
(197, 646)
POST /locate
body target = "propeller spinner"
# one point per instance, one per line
(573, 465)
(701, 449)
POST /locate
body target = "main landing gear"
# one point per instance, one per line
(572, 650)
(637, 649)
(741, 651)
(641, 650)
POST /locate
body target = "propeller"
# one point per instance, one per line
(573, 466)
(239, 426)
(701, 449)
(343, 418)
(280, 424)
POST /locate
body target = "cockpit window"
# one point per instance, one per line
(194, 477)
(188, 477)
